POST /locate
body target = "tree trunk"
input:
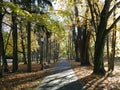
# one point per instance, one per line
(15, 48)
(55, 59)
(98, 55)
(108, 53)
(75, 39)
(2, 50)
(47, 48)
(70, 46)
(101, 30)
(24, 54)
(29, 46)
(85, 48)
(28, 4)
(41, 55)
(84, 42)
(37, 55)
(101, 33)
(2, 56)
(112, 54)
(23, 46)
(49, 51)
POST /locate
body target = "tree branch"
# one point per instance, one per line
(114, 23)
(92, 14)
(97, 8)
(110, 12)
(96, 13)
(7, 24)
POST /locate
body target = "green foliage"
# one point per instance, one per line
(45, 19)
(64, 13)
(40, 19)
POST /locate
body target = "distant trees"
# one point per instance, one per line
(77, 27)
(81, 36)
(85, 41)
(111, 56)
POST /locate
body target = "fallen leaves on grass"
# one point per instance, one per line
(22, 79)
(95, 82)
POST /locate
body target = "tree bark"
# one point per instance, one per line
(85, 48)
(47, 41)
(98, 55)
(49, 52)
(101, 32)
(75, 40)
(28, 28)
(2, 50)
(24, 54)
(23, 46)
(112, 54)
(108, 53)
(84, 42)
(41, 55)
(15, 45)
(2, 56)
(29, 46)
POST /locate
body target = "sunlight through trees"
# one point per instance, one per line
(43, 31)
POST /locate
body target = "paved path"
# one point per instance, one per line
(62, 77)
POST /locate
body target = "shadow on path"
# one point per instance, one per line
(62, 77)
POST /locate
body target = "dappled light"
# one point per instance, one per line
(61, 78)
(91, 81)
(22, 79)
(59, 45)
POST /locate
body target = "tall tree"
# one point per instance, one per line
(22, 43)
(84, 41)
(76, 27)
(41, 52)
(29, 45)
(43, 29)
(48, 34)
(113, 44)
(1, 40)
(15, 38)
(2, 51)
(101, 31)
(83, 37)
(27, 4)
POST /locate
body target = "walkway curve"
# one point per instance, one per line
(62, 77)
